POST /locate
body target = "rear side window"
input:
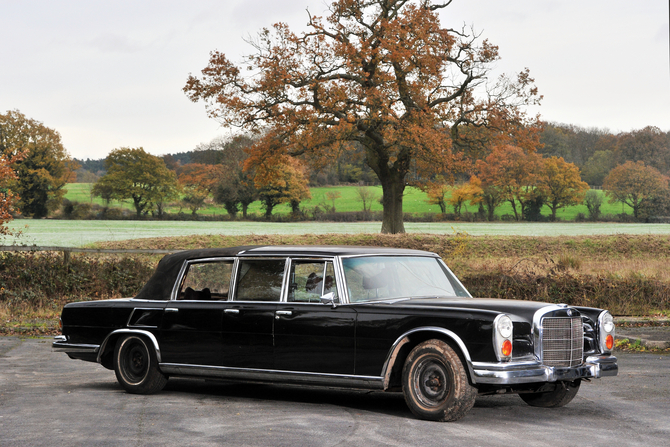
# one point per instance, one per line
(205, 281)
(260, 280)
(309, 280)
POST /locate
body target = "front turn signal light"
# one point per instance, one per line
(503, 334)
(506, 348)
(609, 342)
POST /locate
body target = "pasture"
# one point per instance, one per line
(415, 201)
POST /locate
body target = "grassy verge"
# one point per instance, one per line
(626, 274)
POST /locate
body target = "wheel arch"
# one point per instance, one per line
(106, 351)
(392, 370)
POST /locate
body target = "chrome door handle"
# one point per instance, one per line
(171, 309)
(232, 311)
(285, 313)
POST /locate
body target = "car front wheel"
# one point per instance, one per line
(136, 366)
(560, 396)
(435, 383)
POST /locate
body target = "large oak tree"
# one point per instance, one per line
(381, 73)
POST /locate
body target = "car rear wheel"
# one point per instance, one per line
(136, 366)
(560, 396)
(435, 383)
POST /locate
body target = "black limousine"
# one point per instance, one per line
(362, 317)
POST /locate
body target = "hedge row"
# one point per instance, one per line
(39, 281)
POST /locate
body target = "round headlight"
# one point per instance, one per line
(608, 322)
(505, 326)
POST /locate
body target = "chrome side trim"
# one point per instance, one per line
(404, 338)
(61, 344)
(269, 375)
(146, 334)
(511, 373)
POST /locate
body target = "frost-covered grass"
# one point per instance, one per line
(76, 233)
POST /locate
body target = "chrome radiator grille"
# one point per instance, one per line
(562, 341)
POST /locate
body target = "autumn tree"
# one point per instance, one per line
(560, 184)
(8, 198)
(384, 74)
(134, 174)
(437, 191)
(45, 167)
(509, 174)
(281, 183)
(466, 192)
(636, 185)
(492, 195)
(235, 187)
(197, 181)
(649, 145)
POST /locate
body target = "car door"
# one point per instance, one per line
(311, 336)
(191, 330)
(248, 320)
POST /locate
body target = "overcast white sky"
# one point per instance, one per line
(107, 74)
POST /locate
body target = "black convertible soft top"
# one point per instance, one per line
(160, 285)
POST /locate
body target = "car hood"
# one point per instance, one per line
(523, 309)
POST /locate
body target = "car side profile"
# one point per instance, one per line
(360, 317)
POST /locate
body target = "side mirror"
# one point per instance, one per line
(328, 298)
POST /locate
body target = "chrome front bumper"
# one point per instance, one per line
(594, 367)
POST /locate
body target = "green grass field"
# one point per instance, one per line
(414, 202)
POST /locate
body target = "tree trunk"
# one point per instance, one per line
(392, 220)
(554, 208)
(137, 201)
(269, 206)
(490, 207)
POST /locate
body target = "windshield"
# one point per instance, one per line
(385, 278)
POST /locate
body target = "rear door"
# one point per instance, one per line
(191, 330)
(310, 336)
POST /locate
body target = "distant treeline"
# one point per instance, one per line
(595, 151)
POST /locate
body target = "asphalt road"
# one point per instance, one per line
(48, 399)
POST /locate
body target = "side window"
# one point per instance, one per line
(260, 280)
(206, 281)
(310, 280)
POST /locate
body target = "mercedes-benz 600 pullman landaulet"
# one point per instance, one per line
(361, 317)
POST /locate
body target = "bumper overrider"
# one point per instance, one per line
(594, 367)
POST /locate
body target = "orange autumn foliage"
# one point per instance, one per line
(386, 76)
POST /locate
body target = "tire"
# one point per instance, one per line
(435, 383)
(136, 366)
(562, 395)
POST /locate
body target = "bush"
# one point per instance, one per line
(83, 277)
